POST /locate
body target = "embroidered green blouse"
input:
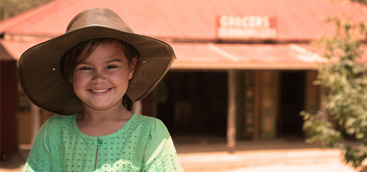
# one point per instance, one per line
(142, 144)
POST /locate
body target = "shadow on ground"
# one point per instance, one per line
(218, 144)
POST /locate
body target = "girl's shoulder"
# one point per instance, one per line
(146, 120)
(52, 128)
(55, 121)
(60, 119)
(149, 124)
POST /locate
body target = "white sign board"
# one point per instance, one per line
(246, 27)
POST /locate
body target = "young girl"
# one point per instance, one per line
(91, 75)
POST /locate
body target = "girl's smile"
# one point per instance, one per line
(100, 91)
(101, 80)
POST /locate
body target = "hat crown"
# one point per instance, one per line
(98, 17)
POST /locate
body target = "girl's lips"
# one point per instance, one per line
(99, 91)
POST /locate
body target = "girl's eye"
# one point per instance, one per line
(85, 68)
(111, 66)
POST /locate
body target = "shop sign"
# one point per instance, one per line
(246, 27)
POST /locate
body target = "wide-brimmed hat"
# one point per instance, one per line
(39, 66)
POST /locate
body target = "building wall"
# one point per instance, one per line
(268, 102)
(195, 103)
(272, 101)
(24, 126)
(8, 107)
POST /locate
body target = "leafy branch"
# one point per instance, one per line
(345, 80)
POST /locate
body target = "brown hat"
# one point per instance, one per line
(39, 66)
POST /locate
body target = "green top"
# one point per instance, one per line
(142, 144)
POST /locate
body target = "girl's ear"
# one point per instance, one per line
(71, 80)
(132, 67)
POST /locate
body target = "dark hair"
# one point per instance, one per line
(82, 51)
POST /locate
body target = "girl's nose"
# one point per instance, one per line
(99, 76)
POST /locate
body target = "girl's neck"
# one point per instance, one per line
(95, 122)
(114, 113)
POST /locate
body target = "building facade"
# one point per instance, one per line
(244, 68)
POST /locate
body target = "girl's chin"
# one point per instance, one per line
(100, 107)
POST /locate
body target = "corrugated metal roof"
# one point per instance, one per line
(15, 48)
(4, 54)
(190, 19)
(224, 56)
(244, 56)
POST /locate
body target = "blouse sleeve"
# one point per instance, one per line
(160, 153)
(40, 156)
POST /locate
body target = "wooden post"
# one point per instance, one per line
(231, 117)
(256, 105)
(36, 121)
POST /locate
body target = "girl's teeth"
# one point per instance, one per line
(99, 91)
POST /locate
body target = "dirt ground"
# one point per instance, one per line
(261, 156)
(252, 156)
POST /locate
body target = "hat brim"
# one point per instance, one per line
(42, 82)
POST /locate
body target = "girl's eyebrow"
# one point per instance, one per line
(109, 61)
(114, 60)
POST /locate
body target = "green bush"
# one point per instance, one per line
(345, 80)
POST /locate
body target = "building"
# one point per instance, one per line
(244, 68)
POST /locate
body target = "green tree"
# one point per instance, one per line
(346, 101)
(9, 8)
(361, 1)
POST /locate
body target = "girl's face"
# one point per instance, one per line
(101, 80)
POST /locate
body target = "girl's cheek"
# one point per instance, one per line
(79, 77)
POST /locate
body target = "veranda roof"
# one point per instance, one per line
(191, 27)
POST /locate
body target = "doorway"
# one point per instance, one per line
(194, 103)
(292, 100)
